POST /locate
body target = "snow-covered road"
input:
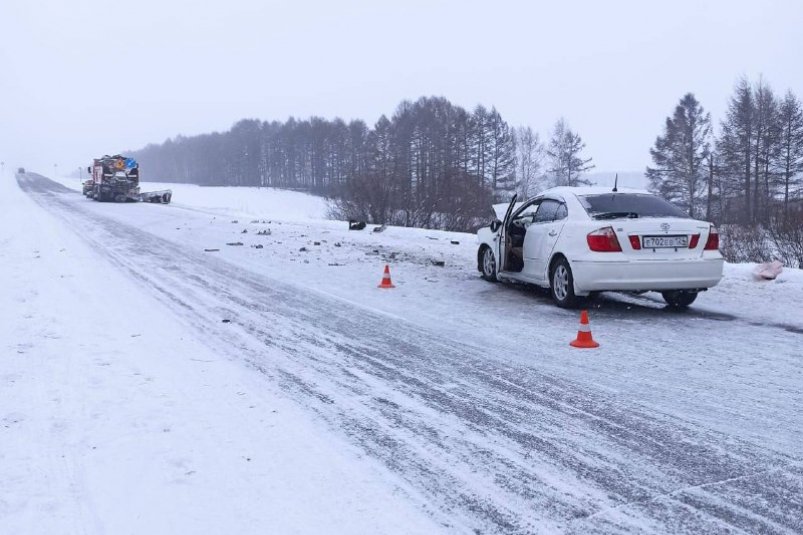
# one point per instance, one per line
(465, 393)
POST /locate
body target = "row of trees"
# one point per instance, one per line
(431, 164)
(747, 172)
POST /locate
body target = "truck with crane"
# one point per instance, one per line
(116, 179)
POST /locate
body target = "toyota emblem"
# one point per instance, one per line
(665, 227)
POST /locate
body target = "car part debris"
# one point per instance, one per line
(768, 270)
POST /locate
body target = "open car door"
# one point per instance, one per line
(501, 249)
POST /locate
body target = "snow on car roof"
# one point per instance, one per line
(588, 190)
(560, 191)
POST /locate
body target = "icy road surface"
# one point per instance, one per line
(467, 393)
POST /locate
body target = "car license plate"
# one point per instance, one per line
(664, 242)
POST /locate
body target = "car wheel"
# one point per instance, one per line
(679, 298)
(488, 264)
(561, 284)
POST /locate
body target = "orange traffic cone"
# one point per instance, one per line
(386, 283)
(584, 339)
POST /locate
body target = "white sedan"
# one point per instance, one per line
(577, 241)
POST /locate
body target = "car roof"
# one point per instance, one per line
(587, 190)
(561, 192)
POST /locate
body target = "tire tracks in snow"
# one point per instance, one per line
(494, 447)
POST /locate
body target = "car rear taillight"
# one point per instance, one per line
(603, 241)
(635, 243)
(712, 243)
(695, 239)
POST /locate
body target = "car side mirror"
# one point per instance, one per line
(495, 224)
(89, 170)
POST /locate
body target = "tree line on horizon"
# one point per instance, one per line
(431, 164)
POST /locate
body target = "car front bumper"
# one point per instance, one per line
(646, 275)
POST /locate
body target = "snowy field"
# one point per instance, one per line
(152, 386)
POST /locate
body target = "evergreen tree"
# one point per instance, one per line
(790, 117)
(736, 149)
(766, 150)
(679, 154)
(502, 157)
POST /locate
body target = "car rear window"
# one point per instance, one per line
(629, 205)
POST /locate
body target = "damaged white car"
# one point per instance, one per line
(577, 241)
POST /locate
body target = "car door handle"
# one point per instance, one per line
(553, 233)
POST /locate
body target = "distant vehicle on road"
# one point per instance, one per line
(577, 241)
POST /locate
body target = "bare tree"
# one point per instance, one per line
(564, 153)
(530, 161)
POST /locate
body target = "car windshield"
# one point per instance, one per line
(628, 205)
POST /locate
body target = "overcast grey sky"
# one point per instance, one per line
(79, 78)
